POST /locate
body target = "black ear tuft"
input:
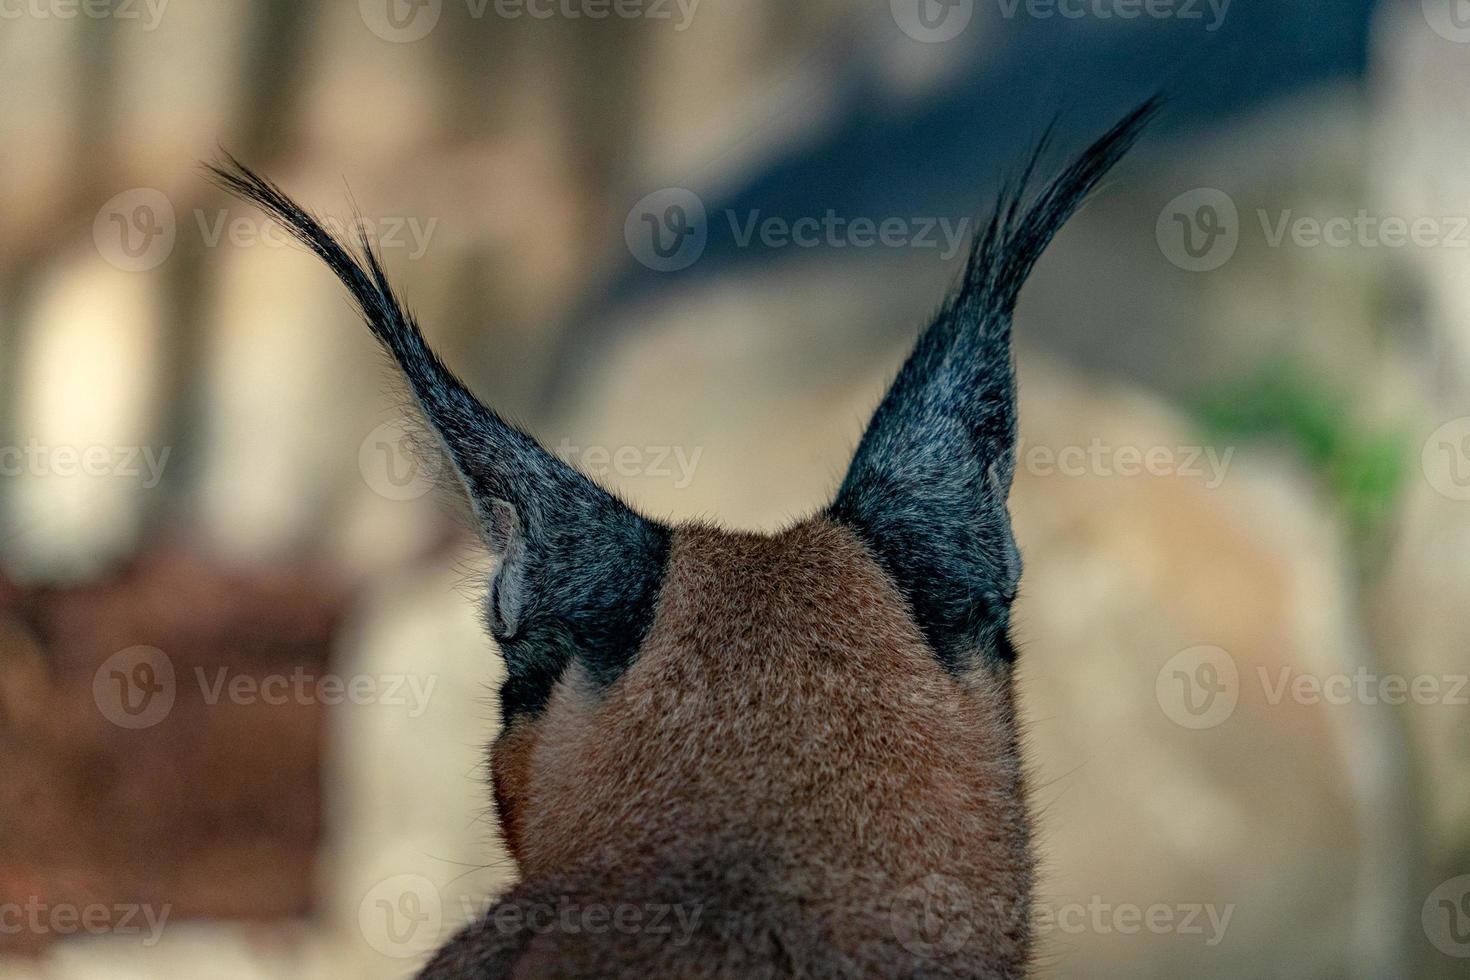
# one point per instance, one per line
(927, 487)
(579, 570)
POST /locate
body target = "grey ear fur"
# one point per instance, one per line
(579, 570)
(928, 483)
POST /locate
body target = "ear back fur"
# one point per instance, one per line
(579, 570)
(928, 484)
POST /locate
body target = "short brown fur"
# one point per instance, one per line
(784, 731)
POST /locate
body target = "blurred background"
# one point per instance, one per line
(243, 695)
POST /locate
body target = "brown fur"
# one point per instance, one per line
(785, 755)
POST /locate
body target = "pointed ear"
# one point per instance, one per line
(579, 570)
(928, 485)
